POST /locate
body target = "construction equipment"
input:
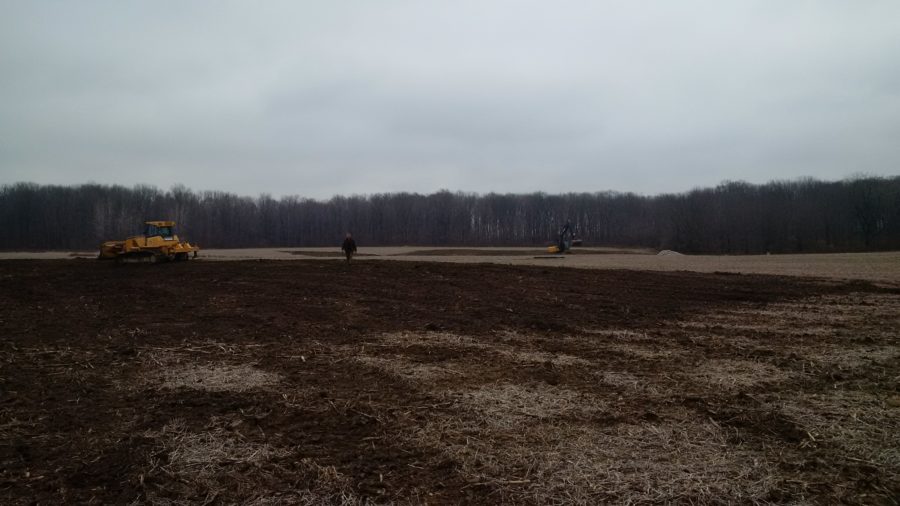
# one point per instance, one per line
(158, 244)
(565, 240)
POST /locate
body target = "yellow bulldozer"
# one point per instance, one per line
(158, 244)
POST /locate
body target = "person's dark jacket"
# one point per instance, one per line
(349, 245)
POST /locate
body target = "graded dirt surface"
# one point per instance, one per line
(314, 382)
(881, 267)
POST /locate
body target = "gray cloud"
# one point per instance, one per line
(364, 97)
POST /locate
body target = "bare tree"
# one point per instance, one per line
(803, 215)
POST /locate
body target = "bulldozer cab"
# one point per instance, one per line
(164, 229)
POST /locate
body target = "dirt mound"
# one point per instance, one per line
(519, 252)
(324, 254)
(669, 253)
(474, 252)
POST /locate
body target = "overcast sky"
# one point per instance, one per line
(344, 97)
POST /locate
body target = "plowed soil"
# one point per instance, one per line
(314, 382)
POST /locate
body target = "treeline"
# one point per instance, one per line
(805, 215)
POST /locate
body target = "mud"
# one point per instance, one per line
(312, 382)
(519, 252)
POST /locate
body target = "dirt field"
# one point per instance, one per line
(882, 268)
(311, 382)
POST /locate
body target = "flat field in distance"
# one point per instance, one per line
(315, 382)
(882, 267)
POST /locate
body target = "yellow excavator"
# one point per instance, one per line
(565, 240)
(158, 244)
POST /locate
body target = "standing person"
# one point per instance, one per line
(349, 246)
